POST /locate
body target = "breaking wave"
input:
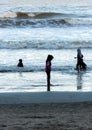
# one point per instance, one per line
(44, 44)
(32, 22)
(38, 15)
(42, 19)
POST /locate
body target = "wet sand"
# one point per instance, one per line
(56, 116)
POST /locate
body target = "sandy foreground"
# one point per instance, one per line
(56, 116)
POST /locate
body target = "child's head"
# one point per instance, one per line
(50, 57)
(20, 60)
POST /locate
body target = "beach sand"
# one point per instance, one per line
(48, 116)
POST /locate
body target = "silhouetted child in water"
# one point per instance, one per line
(20, 64)
(48, 70)
(80, 62)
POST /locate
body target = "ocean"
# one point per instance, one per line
(31, 33)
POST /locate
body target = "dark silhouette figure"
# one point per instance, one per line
(48, 70)
(80, 63)
(20, 64)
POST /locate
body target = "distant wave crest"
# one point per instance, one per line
(42, 19)
(44, 44)
(39, 15)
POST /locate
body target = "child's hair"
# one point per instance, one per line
(50, 57)
(20, 60)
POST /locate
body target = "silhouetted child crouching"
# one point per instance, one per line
(20, 64)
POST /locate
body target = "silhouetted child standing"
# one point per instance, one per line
(48, 70)
(20, 64)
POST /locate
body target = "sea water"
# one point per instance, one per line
(31, 33)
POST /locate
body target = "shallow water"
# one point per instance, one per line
(36, 82)
(32, 76)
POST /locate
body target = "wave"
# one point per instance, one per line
(44, 22)
(54, 44)
(63, 69)
(34, 68)
(31, 23)
(38, 15)
(42, 19)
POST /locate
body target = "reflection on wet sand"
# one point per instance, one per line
(20, 71)
(79, 80)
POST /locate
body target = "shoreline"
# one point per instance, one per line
(44, 97)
